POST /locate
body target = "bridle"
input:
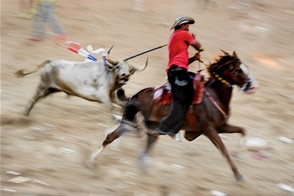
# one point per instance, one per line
(217, 76)
(221, 80)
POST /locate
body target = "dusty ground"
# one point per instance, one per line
(49, 148)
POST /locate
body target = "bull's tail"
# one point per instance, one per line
(22, 73)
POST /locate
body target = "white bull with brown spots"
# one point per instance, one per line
(91, 80)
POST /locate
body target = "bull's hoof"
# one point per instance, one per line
(239, 178)
(25, 113)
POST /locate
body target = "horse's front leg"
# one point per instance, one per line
(226, 128)
(216, 140)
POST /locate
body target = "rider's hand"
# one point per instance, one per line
(197, 56)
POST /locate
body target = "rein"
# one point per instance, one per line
(215, 104)
(215, 74)
(210, 97)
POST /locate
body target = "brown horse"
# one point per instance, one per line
(210, 116)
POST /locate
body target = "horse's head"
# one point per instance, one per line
(230, 70)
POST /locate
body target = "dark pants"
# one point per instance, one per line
(182, 93)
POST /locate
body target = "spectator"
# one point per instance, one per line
(26, 9)
(45, 14)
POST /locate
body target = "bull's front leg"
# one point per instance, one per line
(41, 92)
(106, 100)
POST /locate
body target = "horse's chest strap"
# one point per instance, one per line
(215, 104)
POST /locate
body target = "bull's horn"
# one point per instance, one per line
(126, 59)
(108, 52)
(136, 69)
(111, 61)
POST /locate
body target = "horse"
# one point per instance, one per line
(209, 117)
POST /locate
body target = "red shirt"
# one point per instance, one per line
(178, 46)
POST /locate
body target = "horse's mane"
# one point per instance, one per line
(221, 61)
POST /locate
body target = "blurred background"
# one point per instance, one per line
(45, 153)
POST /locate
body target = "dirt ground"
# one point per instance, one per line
(45, 153)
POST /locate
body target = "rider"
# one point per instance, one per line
(178, 77)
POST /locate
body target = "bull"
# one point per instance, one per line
(91, 80)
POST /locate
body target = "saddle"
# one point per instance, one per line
(163, 95)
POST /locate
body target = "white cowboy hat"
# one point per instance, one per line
(182, 20)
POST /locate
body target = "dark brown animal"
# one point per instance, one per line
(211, 115)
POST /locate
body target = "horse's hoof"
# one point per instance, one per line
(239, 178)
(243, 133)
(90, 164)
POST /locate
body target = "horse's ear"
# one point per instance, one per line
(224, 52)
(235, 54)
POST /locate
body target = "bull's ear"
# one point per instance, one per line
(111, 61)
(132, 70)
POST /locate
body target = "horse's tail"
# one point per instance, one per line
(120, 94)
(131, 110)
(21, 73)
(140, 102)
(129, 121)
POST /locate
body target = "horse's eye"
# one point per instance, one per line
(237, 71)
(231, 67)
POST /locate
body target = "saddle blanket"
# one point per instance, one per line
(163, 96)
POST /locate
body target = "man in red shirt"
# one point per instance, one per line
(178, 77)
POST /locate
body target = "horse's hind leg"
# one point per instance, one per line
(151, 139)
(216, 140)
(108, 140)
(41, 92)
